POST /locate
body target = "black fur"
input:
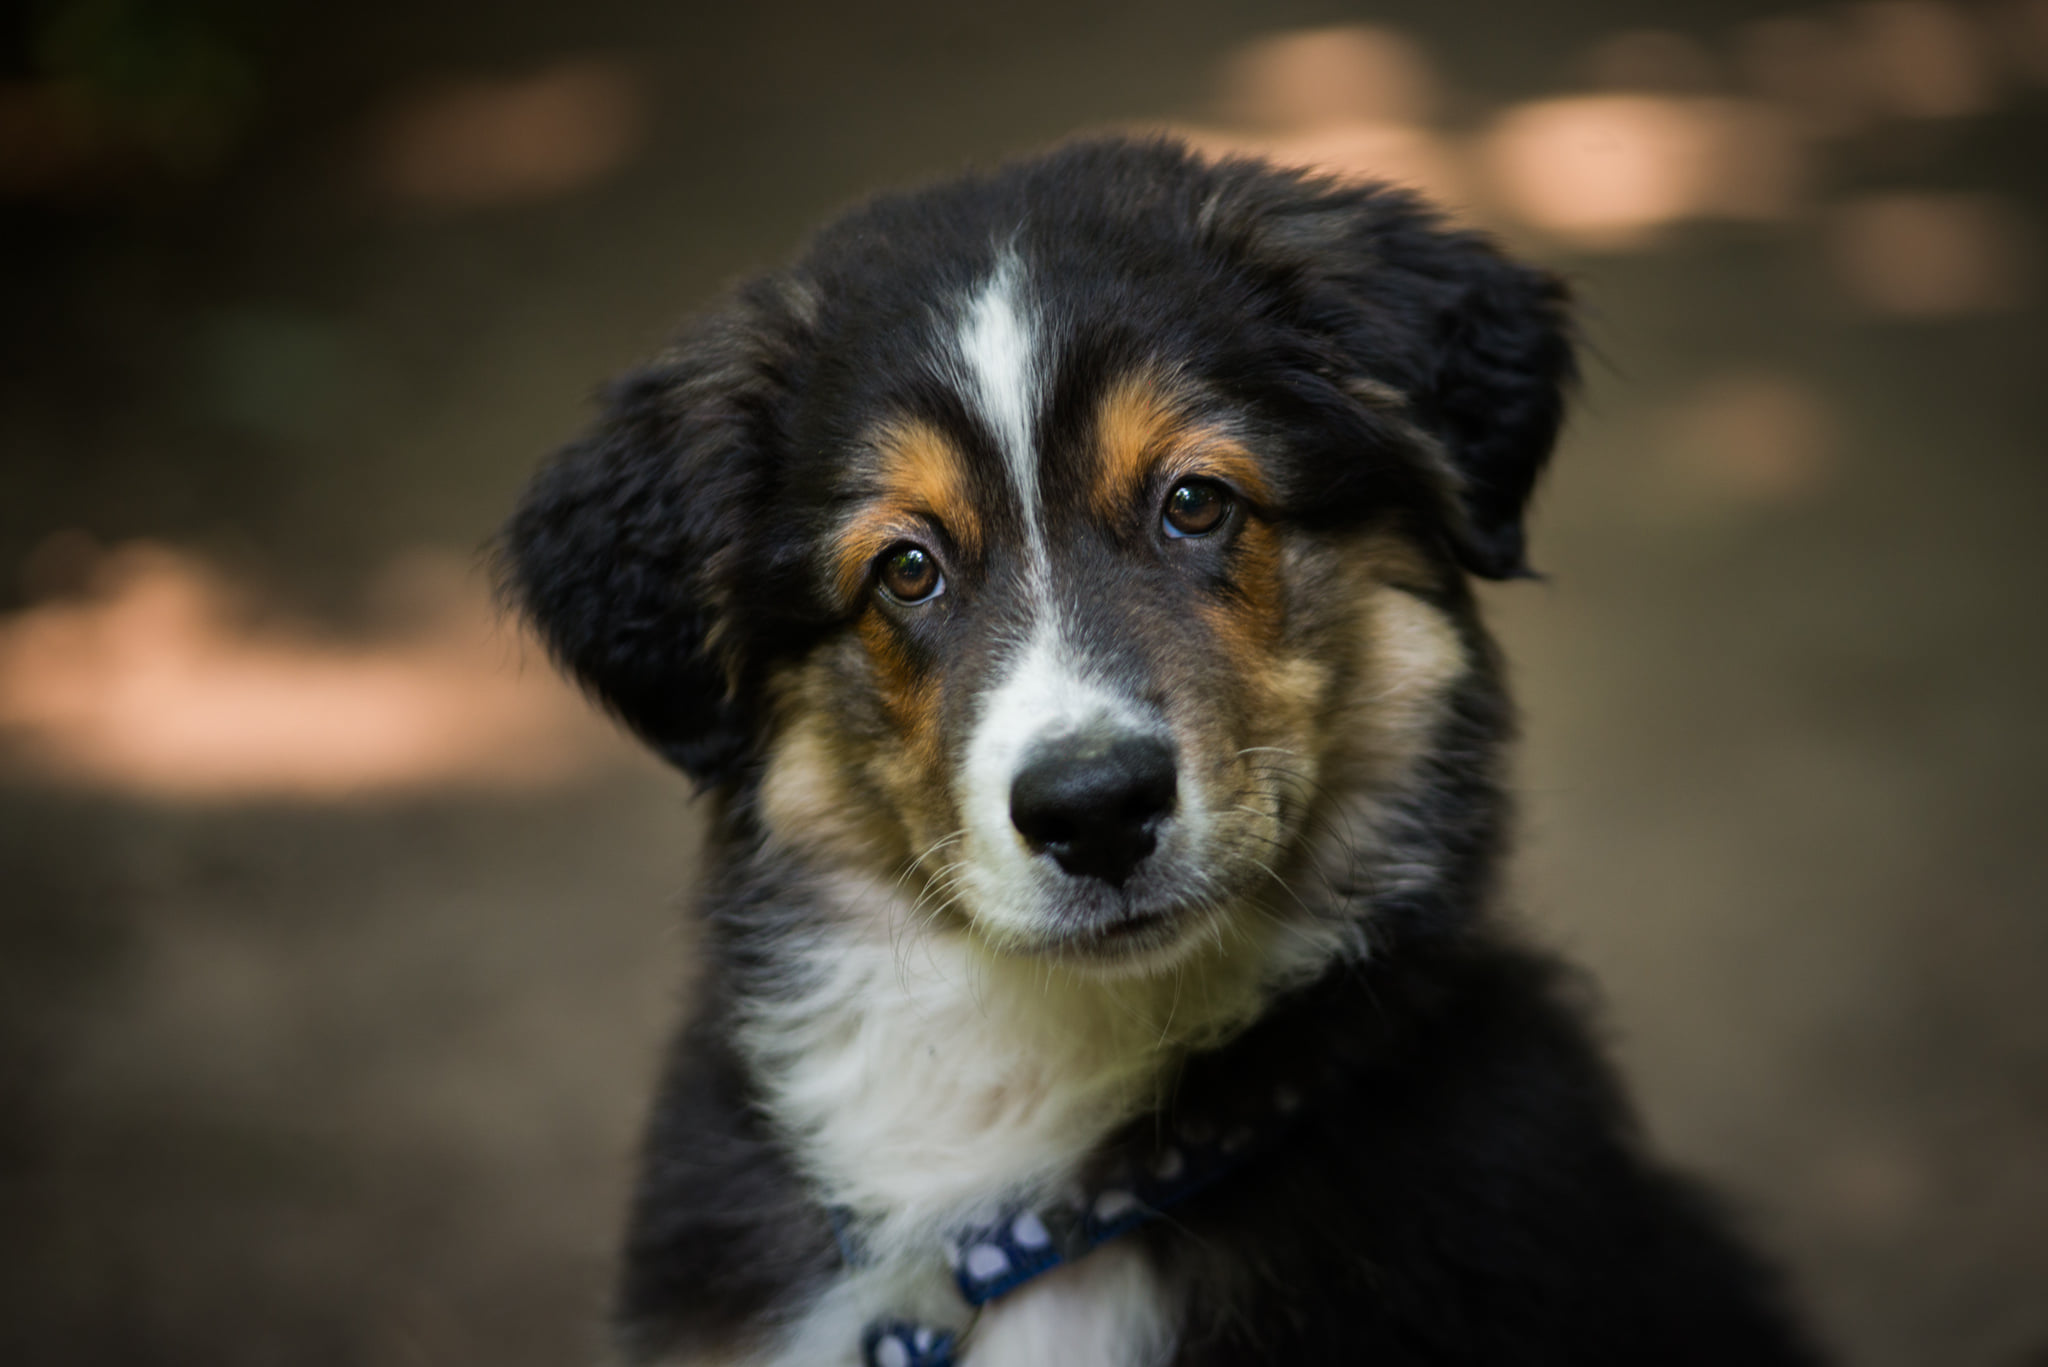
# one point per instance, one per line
(1482, 344)
(623, 551)
(723, 1232)
(1469, 1187)
(1473, 1191)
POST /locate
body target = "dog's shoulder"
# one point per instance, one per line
(723, 1231)
(1476, 1190)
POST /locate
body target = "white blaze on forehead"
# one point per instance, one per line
(999, 363)
(1042, 691)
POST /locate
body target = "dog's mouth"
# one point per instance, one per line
(1128, 942)
(1139, 928)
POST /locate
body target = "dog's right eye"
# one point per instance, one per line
(910, 574)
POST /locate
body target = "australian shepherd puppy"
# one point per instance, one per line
(1061, 580)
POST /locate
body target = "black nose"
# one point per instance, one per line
(1095, 804)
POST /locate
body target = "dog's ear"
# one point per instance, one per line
(623, 550)
(1479, 347)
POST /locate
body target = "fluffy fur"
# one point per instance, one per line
(932, 516)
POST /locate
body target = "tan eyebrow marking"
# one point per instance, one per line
(1141, 425)
(919, 474)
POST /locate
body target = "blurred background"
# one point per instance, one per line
(337, 940)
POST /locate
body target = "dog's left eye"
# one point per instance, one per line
(1196, 507)
(910, 573)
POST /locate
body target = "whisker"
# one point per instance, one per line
(932, 849)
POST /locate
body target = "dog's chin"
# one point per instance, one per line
(1122, 940)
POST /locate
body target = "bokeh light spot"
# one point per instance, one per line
(1922, 59)
(1604, 171)
(1348, 75)
(163, 680)
(1932, 255)
(1754, 437)
(469, 142)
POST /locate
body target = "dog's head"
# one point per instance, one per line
(1087, 542)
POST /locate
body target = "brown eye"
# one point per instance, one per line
(1196, 507)
(910, 573)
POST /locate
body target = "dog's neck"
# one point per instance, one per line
(919, 1078)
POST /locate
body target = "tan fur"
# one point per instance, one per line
(920, 481)
(1338, 712)
(1135, 424)
(911, 696)
(1408, 655)
(923, 471)
(919, 492)
(1143, 437)
(811, 801)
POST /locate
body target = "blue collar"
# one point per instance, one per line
(992, 1259)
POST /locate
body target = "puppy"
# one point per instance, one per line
(1061, 581)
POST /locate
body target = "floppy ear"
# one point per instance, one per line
(622, 551)
(1479, 346)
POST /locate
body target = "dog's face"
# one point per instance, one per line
(1089, 662)
(1073, 545)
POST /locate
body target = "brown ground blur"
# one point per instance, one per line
(336, 941)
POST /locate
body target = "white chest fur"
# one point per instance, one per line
(918, 1080)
